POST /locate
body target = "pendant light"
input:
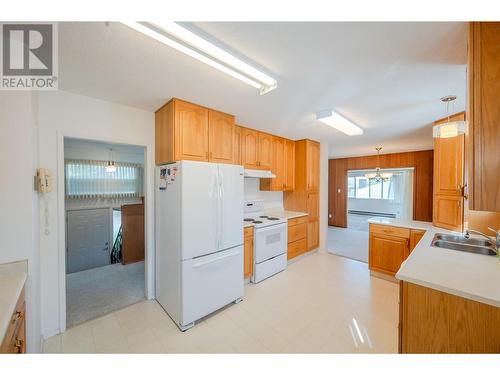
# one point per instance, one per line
(450, 128)
(111, 167)
(377, 175)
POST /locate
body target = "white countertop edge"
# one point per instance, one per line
(402, 223)
(455, 292)
(282, 214)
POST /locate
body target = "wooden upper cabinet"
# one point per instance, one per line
(289, 165)
(449, 161)
(250, 148)
(278, 167)
(483, 116)
(312, 154)
(221, 127)
(237, 145)
(190, 131)
(449, 179)
(265, 151)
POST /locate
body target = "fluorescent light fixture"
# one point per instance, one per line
(338, 122)
(206, 52)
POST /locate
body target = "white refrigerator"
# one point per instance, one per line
(199, 238)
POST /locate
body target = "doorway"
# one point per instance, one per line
(105, 228)
(368, 198)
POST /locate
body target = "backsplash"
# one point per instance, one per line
(272, 199)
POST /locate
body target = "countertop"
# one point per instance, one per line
(285, 214)
(471, 276)
(12, 279)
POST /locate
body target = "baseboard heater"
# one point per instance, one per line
(367, 213)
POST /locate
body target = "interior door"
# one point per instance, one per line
(88, 236)
(231, 205)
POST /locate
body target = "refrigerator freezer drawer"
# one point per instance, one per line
(211, 282)
(268, 268)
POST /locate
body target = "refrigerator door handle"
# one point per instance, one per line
(216, 202)
(219, 213)
(201, 264)
(221, 194)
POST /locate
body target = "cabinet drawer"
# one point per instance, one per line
(15, 330)
(389, 230)
(248, 232)
(296, 248)
(297, 232)
(297, 220)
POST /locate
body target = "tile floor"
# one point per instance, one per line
(98, 291)
(320, 304)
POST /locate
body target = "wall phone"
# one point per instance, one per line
(43, 180)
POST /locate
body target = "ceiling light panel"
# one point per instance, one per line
(339, 122)
(206, 52)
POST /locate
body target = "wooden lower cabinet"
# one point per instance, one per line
(248, 252)
(432, 321)
(14, 341)
(133, 241)
(415, 237)
(389, 246)
(297, 236)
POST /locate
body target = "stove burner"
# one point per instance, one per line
(264, 216)
(248, 219)
(257, 222)
(273, 218)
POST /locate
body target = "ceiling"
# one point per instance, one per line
(386, 77)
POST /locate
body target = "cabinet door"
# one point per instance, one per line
(483, 116)
(248, 257)
(415, 237)
(221, 126)
(448, 212)
(312, 235)
(191, 132)
(237, 145)
(289, 165)
(312, 153)
(265, 149)
(449, 165)
(279, 168)
(386, 253)
(250, 148)
(313, 206)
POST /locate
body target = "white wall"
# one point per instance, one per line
(65, 114)
(19, 203)
(323, 196)
(272, 199)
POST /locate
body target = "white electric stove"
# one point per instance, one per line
(270, 241)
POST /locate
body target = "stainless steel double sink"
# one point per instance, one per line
(460, 243)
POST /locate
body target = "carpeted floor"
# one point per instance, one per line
(98, 291)
(350, 242)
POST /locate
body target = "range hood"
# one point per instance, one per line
(257, 173)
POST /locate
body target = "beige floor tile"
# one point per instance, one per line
(321, 304)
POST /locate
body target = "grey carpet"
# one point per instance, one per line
(98, 291)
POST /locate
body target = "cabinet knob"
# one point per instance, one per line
(19, 344)
(18, 315)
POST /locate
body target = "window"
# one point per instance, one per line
(361, 188)
(89, 179)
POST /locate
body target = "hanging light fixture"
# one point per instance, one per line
(450, 128)
(377, 175)
(111, 167)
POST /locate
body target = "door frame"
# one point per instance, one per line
(148, 179)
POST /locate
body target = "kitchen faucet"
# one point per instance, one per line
(497, 232)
